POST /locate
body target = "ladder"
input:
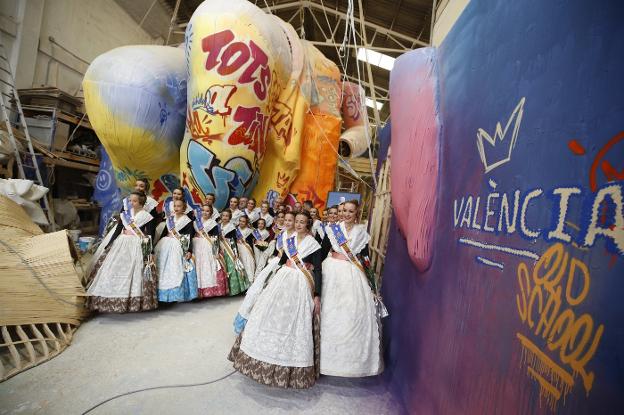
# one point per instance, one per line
(8, 93)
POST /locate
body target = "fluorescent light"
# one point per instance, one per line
(371, 103)
(375, 58)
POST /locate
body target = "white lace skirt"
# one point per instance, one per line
(169, 263)
(263, 256)
(121, 273)
(279, 329)
(349, 325)
(206, 265)
(247, 258)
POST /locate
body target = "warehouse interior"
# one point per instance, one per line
(495, 290)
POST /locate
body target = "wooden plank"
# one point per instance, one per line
(42, 342)
(75, 157)
(17, 361)
(70, 164)
(52, 338)
(29, 347)
(74, 119)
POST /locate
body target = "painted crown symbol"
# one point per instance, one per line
(502, 137)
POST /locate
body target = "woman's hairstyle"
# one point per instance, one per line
(209, 206)
(261, 220)
(228, 211)
(141, 196)
(308, 217)
(145, 180)
(354, 202)
(180, 200)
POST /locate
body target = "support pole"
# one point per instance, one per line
(173, 20)
(372, 89)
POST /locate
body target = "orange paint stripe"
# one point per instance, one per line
(549, 387)
(565, 376)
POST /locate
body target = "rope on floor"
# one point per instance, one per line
(189, 385)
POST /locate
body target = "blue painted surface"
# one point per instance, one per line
(452, 338)
(106, 193)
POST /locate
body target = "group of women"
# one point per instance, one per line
(310, 306)
(312, 309)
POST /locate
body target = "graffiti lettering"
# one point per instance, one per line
(282, 180)
(195, 126)
(281, 121)
(546, 307)
(216, 100)
(229, 57)
(605, 218)
(234, 178)
(252, 131)
(600, 160)
(501, 139)
(614, 230)
(353, 105)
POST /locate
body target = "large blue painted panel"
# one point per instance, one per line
(521, 310)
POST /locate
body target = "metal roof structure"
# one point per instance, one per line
(391, 27)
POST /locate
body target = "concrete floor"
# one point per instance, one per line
(177, 344)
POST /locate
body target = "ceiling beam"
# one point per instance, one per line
(311, 5)
(375, 48)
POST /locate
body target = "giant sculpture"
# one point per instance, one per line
(243, 107)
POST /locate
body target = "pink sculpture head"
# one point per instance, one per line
(415, 138)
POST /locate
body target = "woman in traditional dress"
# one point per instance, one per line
(235, 212)
(263, 245)
(178, 279)
(211, 277)
(332, 215)
(279, 345)
(286, 231)
(350, 326)
(210, 200)
(234, 268)
(278, 224)
(125, 276)
(340, 216)
(266, 215)
(244, 242)
(141, 186)
(318, 228)
(252, 212)
(177, 194)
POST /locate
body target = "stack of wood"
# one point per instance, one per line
(80, 203)
(41, 294)
(50, 97)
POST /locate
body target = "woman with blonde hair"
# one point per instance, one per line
(350, 325)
